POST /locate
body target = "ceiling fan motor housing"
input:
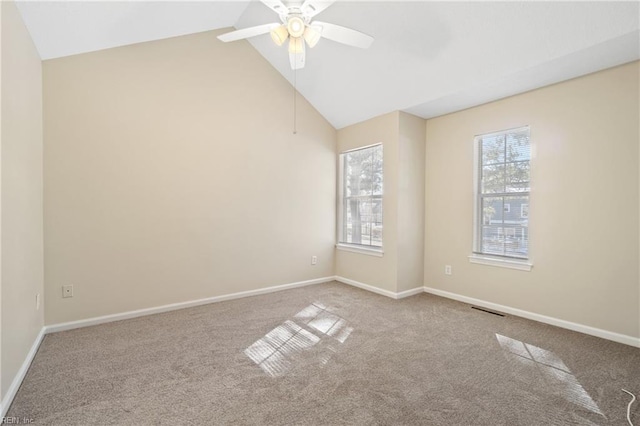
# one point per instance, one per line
(295, 25)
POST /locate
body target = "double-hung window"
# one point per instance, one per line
(502, 194)
(360, 203)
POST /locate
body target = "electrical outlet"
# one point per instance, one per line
(447, 269)
(38, 302)
(314, 260)
(67, 291)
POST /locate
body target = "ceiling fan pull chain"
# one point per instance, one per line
(295, 72)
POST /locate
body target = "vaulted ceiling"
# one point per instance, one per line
(428, 58)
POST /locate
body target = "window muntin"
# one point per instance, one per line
(502, 193)
(361, 190)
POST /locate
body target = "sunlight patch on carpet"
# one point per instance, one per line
(557, 376)
(277, 350)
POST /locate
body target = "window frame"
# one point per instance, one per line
(477, 256)
(341, 210)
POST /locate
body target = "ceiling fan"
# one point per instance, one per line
(298, 27)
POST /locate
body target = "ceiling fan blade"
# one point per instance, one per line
(344, 35)
(297, 59)
(247, 32)
(311, 8)
(277, 6)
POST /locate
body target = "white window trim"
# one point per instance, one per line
(486, 259)
(353, 248)
(502, 262)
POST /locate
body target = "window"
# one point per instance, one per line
(360, 209)
(502, 182)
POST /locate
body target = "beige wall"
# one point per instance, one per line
(2, 408)
(401, 266)
(584, 201)
(172, 174)
(376, 271)
(411, 202)
(21, 189)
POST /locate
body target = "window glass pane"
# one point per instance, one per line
(362, 162)
(503, 197)
(350, 205)
(504, 231)
(366, 175)
(493, 178)
(346, 182)
(493, 149)
(364, 221)
(516, 227)
(492, 210)
(363, 171)
(359, 172)
(517, 177)
(492, 225)
(362, 197)
(377, 171)
(376, 222)
(518, 147)
(493, 240)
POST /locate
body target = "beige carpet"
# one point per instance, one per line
(329, 354)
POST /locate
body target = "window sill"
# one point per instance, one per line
(362, 250)
(521, 265)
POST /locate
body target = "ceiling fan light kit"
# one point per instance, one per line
(312, 35)
(299, 29)
(296, 45)
(279, 34)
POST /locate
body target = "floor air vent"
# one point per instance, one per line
(487, 311)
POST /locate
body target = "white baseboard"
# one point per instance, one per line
(378, 290)
(174, 306)
(367, 287)
(411, 292)
(22, 372)
(604, 334)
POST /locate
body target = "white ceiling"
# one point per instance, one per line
(428, 58)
